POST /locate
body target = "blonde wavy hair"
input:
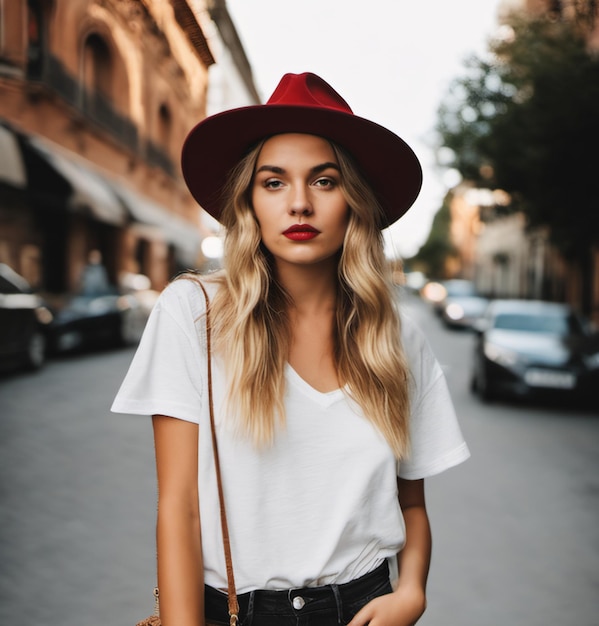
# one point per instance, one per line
(251, 324)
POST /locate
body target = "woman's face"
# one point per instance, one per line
(298, 200)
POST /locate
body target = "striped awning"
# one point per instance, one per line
(91, 192)
(183, 235)
(12, 167)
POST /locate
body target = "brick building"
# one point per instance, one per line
(96, 97)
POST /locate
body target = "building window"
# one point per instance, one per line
(97, 66)
(165, 124)
(158, 147)
(97, 81)
(35, 39)
(2, 23)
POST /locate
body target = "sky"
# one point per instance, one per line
(391, 60)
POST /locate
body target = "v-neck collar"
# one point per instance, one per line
(324, 399)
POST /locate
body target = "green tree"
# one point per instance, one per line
(527, 121)
(437, 249)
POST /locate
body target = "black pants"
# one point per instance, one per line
(330, 605)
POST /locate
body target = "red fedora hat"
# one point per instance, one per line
(301, 103)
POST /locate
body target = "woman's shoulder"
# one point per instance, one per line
(411, 335)
(188, 283)
(184, 293)
(417, 349)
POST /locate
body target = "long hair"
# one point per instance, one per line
(251, 324)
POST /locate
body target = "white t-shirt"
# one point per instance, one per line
(320, 505)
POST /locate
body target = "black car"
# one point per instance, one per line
(526, 348)
(24, 320)
(84, 322)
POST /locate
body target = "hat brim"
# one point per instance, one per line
(215, 146)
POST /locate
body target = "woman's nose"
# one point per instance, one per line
(300, 202)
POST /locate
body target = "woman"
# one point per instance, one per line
(330, 409)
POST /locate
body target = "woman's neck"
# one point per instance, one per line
(313, 291)
(313, 288)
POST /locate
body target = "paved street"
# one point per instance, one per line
(515, 528)
(516, 538)
(78, 499)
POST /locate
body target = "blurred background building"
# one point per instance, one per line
(494, 246)
(96, 98)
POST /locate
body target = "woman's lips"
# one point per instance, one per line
(301, 232)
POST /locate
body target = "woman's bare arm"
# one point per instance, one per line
(407, 603)
(180, 568)
(415, 558)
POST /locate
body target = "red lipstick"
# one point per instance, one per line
(301, 232)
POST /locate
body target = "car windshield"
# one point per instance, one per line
(553, 324)
(460, 288)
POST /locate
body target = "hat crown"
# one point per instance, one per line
(307, 90)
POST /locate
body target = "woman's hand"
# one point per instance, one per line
(403, 607)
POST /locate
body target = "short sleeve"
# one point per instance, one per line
(436, 441)
(168, 369)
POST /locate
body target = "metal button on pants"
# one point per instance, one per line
(298, 603)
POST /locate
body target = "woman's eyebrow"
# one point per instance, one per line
(270, 168)
(324, 166)
(275, 169)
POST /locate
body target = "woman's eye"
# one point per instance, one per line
(272, 184)
(325, 183)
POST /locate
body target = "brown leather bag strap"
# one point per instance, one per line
(232, 593)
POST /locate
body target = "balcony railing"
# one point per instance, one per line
(98, 109)
(158, 157)
(53, 75)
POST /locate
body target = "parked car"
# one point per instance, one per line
(463, 312)
(24, 320)
(437, 293)
(527, 348)
(84, 322)
(414, 281)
